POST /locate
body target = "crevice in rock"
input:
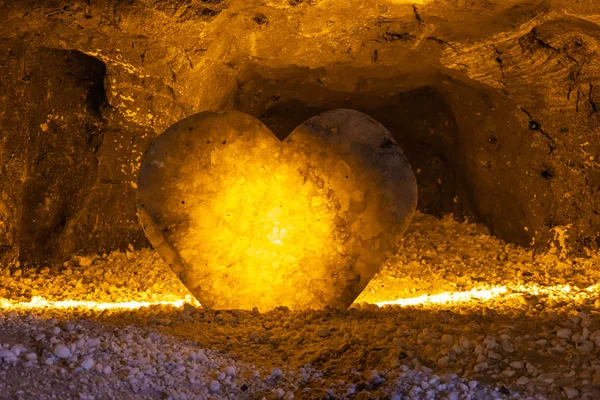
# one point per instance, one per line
(66, 132)
(547, 174)
(417, 14)
(591, 100)
(440, 41)
(534, 125)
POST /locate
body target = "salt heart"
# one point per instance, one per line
(246, 220)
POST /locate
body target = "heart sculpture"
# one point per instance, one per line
(246, 220)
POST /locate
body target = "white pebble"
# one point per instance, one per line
(516, 364)
(276, 373)
(215, 386)
(375, 379)
(563, 333)
(523, 380)
(570, 392)
(87, 364)
(454, 395)
(62, 351)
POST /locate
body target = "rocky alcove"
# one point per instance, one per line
(494, 102)
(499, 119)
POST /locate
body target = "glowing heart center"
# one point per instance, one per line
(258, 216)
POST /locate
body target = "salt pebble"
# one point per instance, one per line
(62, 351)
(516, 364)
(523, 380)
(276, 373)
(375, 379)
(570, 392)
(87, 364)
(454, 395)
(215, 386)
(563, 333)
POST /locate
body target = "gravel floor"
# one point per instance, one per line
(489, 320)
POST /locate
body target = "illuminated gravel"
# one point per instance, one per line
(519, 326)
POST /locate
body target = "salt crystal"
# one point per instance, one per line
(84, 261)
(323, 332)
(215, 386)
(18, 349)
(523, 380)
(585, 347)
(448, 340)
(563, 333)
(454, 395)
(276, 373)
(8, 356)
(62, 351)
(571, 393)
(87, 364)
(374, 378)
(297, 324)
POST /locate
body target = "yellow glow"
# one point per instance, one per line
(474, 295)
(409, 1)
(495, 292)
(246, 220)
(449, 297)
(264, 221)
(38, 302)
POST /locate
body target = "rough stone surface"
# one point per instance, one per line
(499, 98)
(62, 166)
(247, 220)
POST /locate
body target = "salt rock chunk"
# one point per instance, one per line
(62, 351)
(246, 220)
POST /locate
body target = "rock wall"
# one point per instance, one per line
(65, 187)
(495, 102)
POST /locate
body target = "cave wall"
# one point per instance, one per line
(65, 184)
(495, 102)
